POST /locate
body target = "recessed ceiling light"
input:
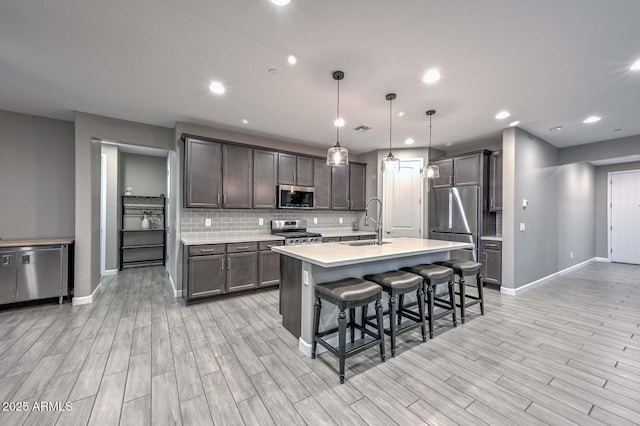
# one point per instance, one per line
(409, 141)
(217, 88)
(514, 123)
(592, 119)
(431, 76)
(502, 115)
(281, 2)
(292, 60)
(555, 129)
(245, 121)
(635, 66)
(401, 113)
(339, 122)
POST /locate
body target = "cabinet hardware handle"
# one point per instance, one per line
(455, 180)
(274, 201)
(294, 177)
(26, 259)
(218, 199)
(6, 260)
(450, 180)
(491, 204)
(228, 263)
(207, 250)
(242, 248)
(222, 264)
(269, 245)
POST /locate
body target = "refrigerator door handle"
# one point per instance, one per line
(450, 218)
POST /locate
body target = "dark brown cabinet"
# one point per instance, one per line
(237, 176)
(357, 187)
(295, 170)
(467, 170)
(207, 276)
(445, 168)
(322, 182)
(495, 182)
(265, 179)
(242, 271)
(269, 268)
(492, 262)
(203, 174)
(340, 188)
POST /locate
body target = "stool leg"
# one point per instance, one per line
(316, 325)
(452, 300)
(420, 296)
(392, 321)
(342, 337)
(430, 307)
(399, 309)
(380, 327)
(352, 323)
(462, 285)
(365, 309)
(481, 293)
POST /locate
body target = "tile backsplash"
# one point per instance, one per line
(499, 223)
(244, 223)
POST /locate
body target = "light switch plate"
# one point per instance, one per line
(207, 222)
(315, 220)
(305, 277)
(522, 227)
(261, 221)
(525, 203)
(340, 220)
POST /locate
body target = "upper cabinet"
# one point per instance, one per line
(445, 168)
(357, 187)
(322, 181)
(348, 188)
(295, 170)
(237, 176)
(459, 171)
(203, 174)
(495, 181)
(265, 179)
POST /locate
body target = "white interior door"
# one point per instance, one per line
(625, 210)
(402, 200)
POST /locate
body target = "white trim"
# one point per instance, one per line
(603, 259)
(86, 299)
(103, 213)
(110, 272)
(304, 347)
(176, 293)
(515, 291)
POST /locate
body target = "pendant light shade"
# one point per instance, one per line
(431, 171)
(390, 164)
(338, 155)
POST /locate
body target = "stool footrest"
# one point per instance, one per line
(351, 349)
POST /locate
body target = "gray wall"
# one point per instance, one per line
(89, 130)
(146, 174)
(37, 185)
(602, 234)
(604, 150)
(112, 234)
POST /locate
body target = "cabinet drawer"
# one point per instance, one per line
(266, 245)
(206, 250)
(241, 247)
(331, 239)
(492, 245)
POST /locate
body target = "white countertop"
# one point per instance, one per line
(345, 234)
(491, 238)
(195, 241)
(340, 254)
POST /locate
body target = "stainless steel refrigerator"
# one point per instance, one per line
(454, 215)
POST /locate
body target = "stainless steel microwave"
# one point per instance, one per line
(296, 197)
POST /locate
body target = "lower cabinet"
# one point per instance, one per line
(242, 271)
(492, 262)
(269, 265)
(207, 276)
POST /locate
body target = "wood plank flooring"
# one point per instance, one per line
(566, 352)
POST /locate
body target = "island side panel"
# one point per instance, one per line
(291, 293)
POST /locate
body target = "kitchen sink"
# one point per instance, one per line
(364, 243)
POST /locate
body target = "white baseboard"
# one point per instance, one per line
(86, 299)
(110, 272)
(516, 291)
(603, 259)
(305, 347)
(176, 293)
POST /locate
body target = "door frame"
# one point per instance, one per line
(609, 201)
(103, 213)
(422, 197)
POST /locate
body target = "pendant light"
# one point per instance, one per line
(431, 171)
(390, 163)
(338, 155)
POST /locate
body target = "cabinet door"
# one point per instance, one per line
(237, 176)
(7, 277)
(495, 182)
(265, 179)
(492, 262)
(287, 169)
(467, 170)
(203, 174)
(242, 271)
(357, 187)
(446, 174)
(322, 183)
(340, 188)
(207, 276)
(304, 169)
(269, 264)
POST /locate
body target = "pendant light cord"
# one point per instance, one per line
(338, 117)
(430, 139)
(390, 123)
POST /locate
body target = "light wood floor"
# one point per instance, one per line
(567, 352)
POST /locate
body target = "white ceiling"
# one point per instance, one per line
(549, 62)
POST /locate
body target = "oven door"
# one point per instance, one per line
(296, 197)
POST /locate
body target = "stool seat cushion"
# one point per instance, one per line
(466, 267)
(397, 280)
(430, 271)
(348, 290)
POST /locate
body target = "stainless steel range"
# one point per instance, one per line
(294, 232)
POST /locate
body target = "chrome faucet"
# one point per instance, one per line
(377, 222)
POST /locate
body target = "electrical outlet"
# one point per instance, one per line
(522, 227)
(572, 255)
(261, 221)
(207, 222)
(341, 220)
(315, 220)
(305, 277)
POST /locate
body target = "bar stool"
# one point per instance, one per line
(397, 283)
(465, 268)
(434, 275)
(348, 293)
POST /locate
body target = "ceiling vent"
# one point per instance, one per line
(362, 128)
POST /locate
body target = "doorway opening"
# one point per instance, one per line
(624, 207)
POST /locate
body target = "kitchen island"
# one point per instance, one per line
(303, 266)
